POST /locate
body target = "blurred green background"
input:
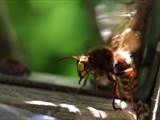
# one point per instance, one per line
(51, 29)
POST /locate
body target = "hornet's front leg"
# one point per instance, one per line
(84, 81)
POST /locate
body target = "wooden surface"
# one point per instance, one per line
(21, 97)
(26, 100)
(53, 83)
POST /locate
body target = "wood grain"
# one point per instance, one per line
(20, 97)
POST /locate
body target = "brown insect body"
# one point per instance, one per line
(122, 74)
(115, 58)
(101, 59)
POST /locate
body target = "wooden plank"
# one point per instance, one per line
(55, 104)
(51, 82)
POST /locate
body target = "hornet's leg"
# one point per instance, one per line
(79, 82)
(84, 82)
(142, 110)
(116, 96)
(114, 104)
(95, 83)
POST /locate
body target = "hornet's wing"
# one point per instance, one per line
(118, 23)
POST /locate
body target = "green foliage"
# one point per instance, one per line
(124, 1)
(120, 1)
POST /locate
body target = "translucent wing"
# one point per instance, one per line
(116, 22)
(109, 14)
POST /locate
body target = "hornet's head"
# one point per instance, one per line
(83, 65)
